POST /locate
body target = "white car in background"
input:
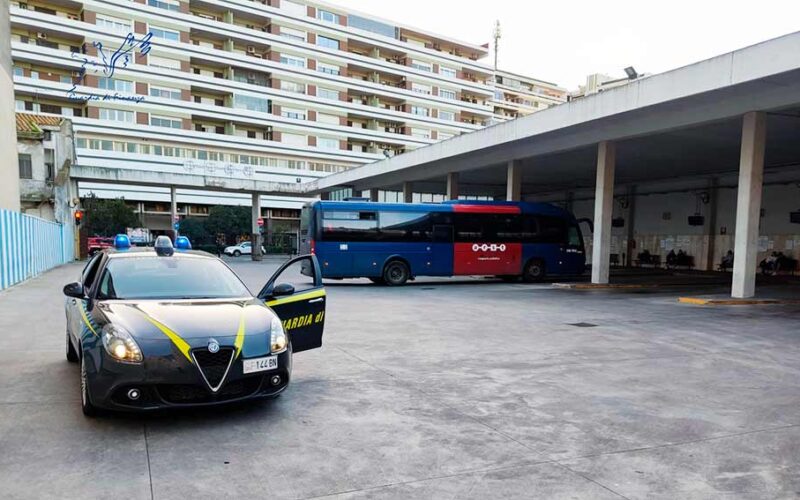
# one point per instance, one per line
(243, 248)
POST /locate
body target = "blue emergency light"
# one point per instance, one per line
(122, 242)
(183, 243)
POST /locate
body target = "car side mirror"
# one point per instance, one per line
(74, 290)
(282, 290)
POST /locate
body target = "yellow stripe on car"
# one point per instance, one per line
(86, 320)
(176, 339)
(297, 297)
(240, 334)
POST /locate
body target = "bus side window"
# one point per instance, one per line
(574, 237)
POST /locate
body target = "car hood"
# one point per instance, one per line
(190, 319)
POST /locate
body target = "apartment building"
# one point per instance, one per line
(276, 90)
(517, 95)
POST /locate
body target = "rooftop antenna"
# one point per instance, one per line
(497, 35)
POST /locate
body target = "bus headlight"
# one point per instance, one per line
(277, 337)
(119, 344)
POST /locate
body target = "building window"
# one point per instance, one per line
(421, 65)
(293, 33)
(295, 87)
(327, 143)
(49, 164)
(420, 111)
(447, 115)
(116, 115)
(163, 121)
(324, 15)
(25, 166)
(330, 43)
(114, 84)
(298, 62)
(50, 108)
(294, 139)
(421, 133)
(165, 34)
(295, 8)
(447, 94)
(166, 93)
(18, 71)
(324, 93)
(448, 72)
(327, 68)
(163, 62)
(421, 89)
(113, 24)
(172, 5)
(296, 114)
(251, 103)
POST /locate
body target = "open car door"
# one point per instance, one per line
(296, 294)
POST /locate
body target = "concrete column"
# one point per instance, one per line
(603, 205)
(408, 192)
(173, 211)
(373, 194)
(748, 205)
(514, 181)
(630, 247)
(255, 231)
(452, 186)
(9, 168)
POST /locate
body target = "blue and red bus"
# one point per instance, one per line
(393, 242)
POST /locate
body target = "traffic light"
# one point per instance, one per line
(78, 217)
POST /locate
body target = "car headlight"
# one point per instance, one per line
(120, 345)
(277, 337)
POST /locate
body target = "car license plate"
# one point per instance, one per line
(260, 364)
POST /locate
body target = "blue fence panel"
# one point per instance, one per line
(30, 246)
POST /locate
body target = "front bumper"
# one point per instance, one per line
(174, 382)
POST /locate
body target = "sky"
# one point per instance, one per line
(563, 42)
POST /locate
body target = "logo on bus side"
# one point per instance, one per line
(494, 247)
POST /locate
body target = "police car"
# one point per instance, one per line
(170, 327)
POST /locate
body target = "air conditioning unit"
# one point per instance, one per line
(41, 35)
(251, 49)
(696, 220)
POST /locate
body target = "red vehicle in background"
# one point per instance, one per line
(98, 243)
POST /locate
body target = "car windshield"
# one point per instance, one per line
(169, 278)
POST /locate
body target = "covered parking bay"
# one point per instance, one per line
(709, 139)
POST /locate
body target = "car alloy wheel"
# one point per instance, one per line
(236, 253)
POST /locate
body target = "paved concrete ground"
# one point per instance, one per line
(441, 389)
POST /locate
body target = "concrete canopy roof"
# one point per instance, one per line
(685, 122)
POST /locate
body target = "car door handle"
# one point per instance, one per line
(314, 301)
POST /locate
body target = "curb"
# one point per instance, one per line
(734, 302)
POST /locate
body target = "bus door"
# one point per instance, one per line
(487, 240)
(574, 254)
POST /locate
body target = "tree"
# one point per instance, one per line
(195, 229)
(108, 217)
(232, 222)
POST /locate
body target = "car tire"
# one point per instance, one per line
(72, 354)
(534, 271)
(378, 281)
(396, 273)
(87, 407)
(237, 253)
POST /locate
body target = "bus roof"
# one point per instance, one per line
(447, 206)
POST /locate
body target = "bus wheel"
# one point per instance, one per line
(534, 271)
(377, 281)
(396, 273)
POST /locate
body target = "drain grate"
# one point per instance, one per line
(582, 325)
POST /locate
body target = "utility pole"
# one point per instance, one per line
(497, 35)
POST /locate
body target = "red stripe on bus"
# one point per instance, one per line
(487, 209)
